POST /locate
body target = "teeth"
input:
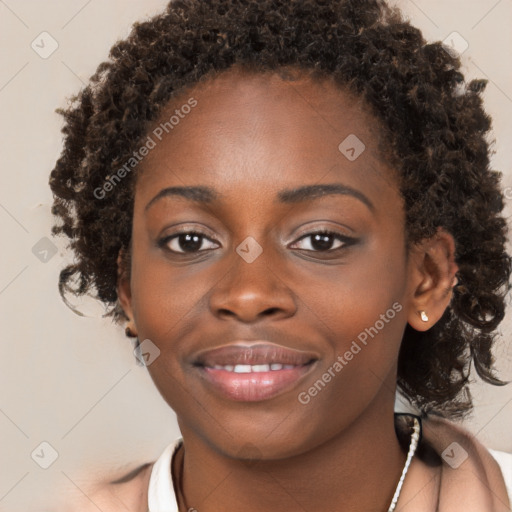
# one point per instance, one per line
(242, 368)
(260, 368)
(227, 367)
(248, 368)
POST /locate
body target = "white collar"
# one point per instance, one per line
(161, 497)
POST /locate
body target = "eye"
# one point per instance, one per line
(184, 242)
(322, 241)
(191, 242)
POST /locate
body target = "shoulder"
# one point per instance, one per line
(504, 460)
(455, 444)
(439, 431)
(129, 493)
(467, 462)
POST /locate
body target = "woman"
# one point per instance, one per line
(289, 205)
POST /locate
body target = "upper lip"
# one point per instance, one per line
(253, 353)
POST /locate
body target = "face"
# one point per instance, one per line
(252, 269)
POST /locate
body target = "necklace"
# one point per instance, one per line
(410, 454)
(412, 450)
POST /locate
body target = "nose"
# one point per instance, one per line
(252, 291)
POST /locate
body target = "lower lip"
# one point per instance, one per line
(254, 386)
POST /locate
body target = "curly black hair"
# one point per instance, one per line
(433, 121)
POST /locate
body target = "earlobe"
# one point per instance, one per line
(432, 278)
(123, 290)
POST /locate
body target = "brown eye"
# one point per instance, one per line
(322, 241)
(186, 242)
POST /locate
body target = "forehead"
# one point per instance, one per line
(250, 129)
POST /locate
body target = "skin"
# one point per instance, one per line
(249, 137)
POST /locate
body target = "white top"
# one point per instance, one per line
(161, 497)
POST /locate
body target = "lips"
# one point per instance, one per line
(253, 371)
(255, 353)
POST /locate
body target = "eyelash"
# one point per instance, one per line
(346, 241)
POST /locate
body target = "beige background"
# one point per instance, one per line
(72, 381)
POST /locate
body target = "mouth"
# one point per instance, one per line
(254, 372)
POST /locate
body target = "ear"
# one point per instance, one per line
(123, 288)
(432, 270)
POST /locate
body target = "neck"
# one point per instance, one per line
(358, 469)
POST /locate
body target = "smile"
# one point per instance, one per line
(256, 368)
(255, 372)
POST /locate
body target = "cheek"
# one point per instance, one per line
(350, 297)
(360, 309)
(363, 317)
(163, 295)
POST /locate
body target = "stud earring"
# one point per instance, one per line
(423, 315)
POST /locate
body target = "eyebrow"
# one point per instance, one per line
(207, 195)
